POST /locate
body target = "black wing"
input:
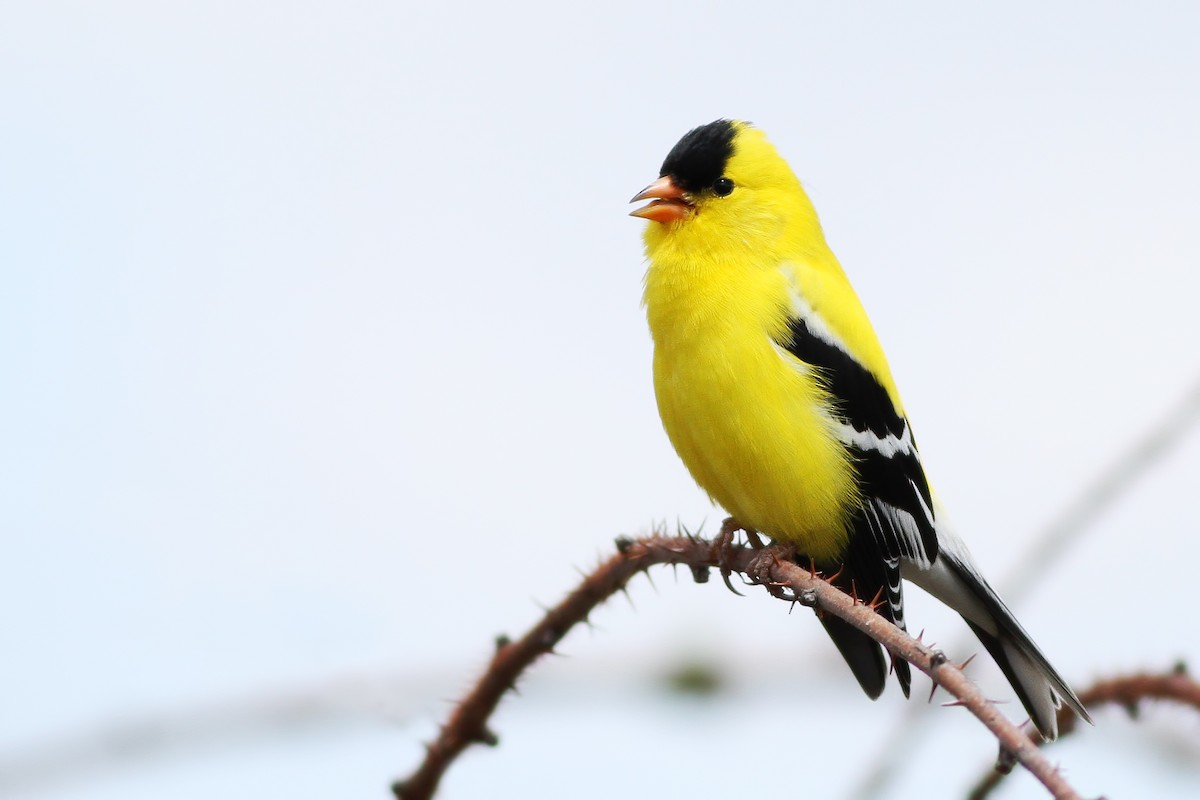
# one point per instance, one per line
(894, 518)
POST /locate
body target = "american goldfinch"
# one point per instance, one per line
(776, 394)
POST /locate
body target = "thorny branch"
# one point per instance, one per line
(1128, 692)
(771, 567)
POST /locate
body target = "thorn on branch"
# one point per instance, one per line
(650, 580)
(700, 575)
(624, 545)
(877, 601)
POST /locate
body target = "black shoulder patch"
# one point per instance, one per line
(699, 158)
(896, 480)
(860, 399)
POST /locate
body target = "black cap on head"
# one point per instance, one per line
(699, 158)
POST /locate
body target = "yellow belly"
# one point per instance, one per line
(750, 428)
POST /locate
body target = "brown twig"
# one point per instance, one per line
(781, 576)
(468, 721)
(1127, 692)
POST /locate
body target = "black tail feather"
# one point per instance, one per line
(862, 653)
(995, 647)
(867, 576)
(1036, 682)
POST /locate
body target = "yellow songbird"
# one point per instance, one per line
(777, 396)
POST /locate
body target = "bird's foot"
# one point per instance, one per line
(724, 546)
(761, 567)
(754, 539)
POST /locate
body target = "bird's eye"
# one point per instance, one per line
(722, 187)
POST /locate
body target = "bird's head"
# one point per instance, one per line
(725, 182)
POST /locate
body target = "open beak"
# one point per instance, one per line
(668, 202)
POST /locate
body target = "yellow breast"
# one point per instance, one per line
(746, 419)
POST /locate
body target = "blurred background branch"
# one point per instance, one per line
(1127, 692)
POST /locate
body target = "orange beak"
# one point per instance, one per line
(668, 203)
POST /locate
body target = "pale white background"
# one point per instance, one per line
(322, 363)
